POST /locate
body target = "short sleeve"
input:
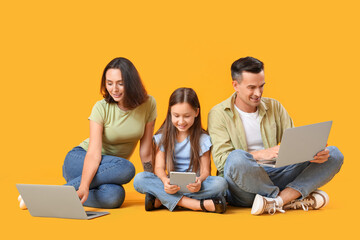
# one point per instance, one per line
(151, 112)
(157, 139)
(205, 144)
(98, 113)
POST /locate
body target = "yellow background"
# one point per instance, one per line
(53, 54)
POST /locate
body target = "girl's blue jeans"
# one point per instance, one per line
(146, 182)
(246, 178)
(106, 189)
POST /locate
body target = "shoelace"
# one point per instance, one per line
(305, 203)
(273, 208)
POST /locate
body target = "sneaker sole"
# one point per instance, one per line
(258, 205)
(21, 203)
(325, 196)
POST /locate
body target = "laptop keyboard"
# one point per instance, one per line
(90, 214)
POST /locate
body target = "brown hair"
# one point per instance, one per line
(134, 91)
(169, 131)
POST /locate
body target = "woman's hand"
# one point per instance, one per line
(194, 187)
(83, 194)
(170, 189)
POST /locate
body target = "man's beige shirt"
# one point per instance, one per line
(227, 132)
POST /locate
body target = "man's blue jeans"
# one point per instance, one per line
(246, 178)
(146, 182)
(106, 189)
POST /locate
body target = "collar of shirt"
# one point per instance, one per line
(228, 105)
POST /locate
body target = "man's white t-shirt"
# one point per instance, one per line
(251, 123)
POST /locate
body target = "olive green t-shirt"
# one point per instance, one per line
(122, 129)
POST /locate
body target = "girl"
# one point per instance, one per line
(99, 166)
(182, 145)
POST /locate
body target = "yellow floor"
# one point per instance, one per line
(335, 220)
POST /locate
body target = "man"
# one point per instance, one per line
(247, 128)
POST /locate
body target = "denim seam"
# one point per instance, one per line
(76, 183)
(106, 169)
(76, 154)
(105, 186)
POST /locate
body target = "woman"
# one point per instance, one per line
(99, 166)
(125, 116)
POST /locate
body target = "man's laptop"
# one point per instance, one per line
(54, 201)
(300, 144)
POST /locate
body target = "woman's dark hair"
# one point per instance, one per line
(134, 91)
(169, 131)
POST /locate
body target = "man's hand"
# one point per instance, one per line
(194, 187)
(266, 154)
(322, 156)
(170, 189)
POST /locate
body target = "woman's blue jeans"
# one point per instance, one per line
(106, 189)
(146, 182)
(246, 178)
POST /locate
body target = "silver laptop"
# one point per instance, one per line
(54, 201)
(300, 144)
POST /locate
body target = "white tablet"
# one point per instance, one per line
(182, 179)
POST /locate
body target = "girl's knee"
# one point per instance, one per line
(221, 184)
(139, 181)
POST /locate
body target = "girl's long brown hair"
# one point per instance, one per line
(169, 131)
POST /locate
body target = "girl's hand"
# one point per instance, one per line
(170, 189)
(194, 187)
(83, 194)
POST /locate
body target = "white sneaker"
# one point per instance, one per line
(263, 204)
(315, 200)
(22, 203)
